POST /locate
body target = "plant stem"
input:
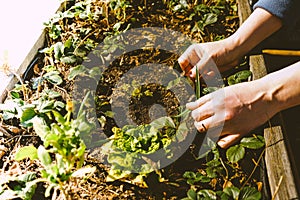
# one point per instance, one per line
(256, 165)
(226, 170)
(198, 85)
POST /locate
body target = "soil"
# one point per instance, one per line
(139, 109)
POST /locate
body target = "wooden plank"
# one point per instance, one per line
(278, 163)
(257, 66)
(256, 62)
(244, 10)
(281, 179)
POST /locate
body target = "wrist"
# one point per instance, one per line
(272, 94)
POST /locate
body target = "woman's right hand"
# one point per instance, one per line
(208, 57)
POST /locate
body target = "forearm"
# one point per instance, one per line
(283, 87)
(260, 25)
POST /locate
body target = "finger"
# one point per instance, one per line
(183, 62)
(203, 112)
(204, 125)
(228, 140)
(205, 65)
(195, 104)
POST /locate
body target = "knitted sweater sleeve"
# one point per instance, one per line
(287, 10)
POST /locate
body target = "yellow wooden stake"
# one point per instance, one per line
(281, 52)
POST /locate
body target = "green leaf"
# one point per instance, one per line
(53, 77)
(75, 71)
(209, 18)
(208, 90)
(232, 192)
(255, 142)
(239, 77)
(181, 132)
(109, 114)
(163, 122)
(15, 95)
(58, 50)
(235, 153)
(29, 176)
(44, 156)
(26, 152)
(192, 194)
(58, 117)
(69, 59)
(189, 174)
(249, 193)
(26, 116)
(206, 195)
(223, 195)
(40, 127)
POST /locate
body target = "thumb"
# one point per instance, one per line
(206, 66)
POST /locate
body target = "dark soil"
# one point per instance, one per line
(140, 109)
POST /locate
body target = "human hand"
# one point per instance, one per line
(209, 57)
(236, 110)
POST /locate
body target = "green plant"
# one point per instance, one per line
(203, 183)
(61, 156)
(131, 144)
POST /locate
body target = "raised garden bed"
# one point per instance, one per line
(64, 156)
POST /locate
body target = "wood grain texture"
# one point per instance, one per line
(277, 158)
(281, 178)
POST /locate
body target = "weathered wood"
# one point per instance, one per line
(244, 10)
(281, 179)
(278, 161)
(257, 66)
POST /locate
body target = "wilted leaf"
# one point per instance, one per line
(40, 127)
(163, 122)
(82, 172)
(181, 132)
(58, 50)
(209, 18)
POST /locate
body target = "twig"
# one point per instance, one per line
(254, 169)
(2, 130)
(226, 170)
(277, 188)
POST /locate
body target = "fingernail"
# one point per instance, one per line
(221, 143)
(190, 105)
